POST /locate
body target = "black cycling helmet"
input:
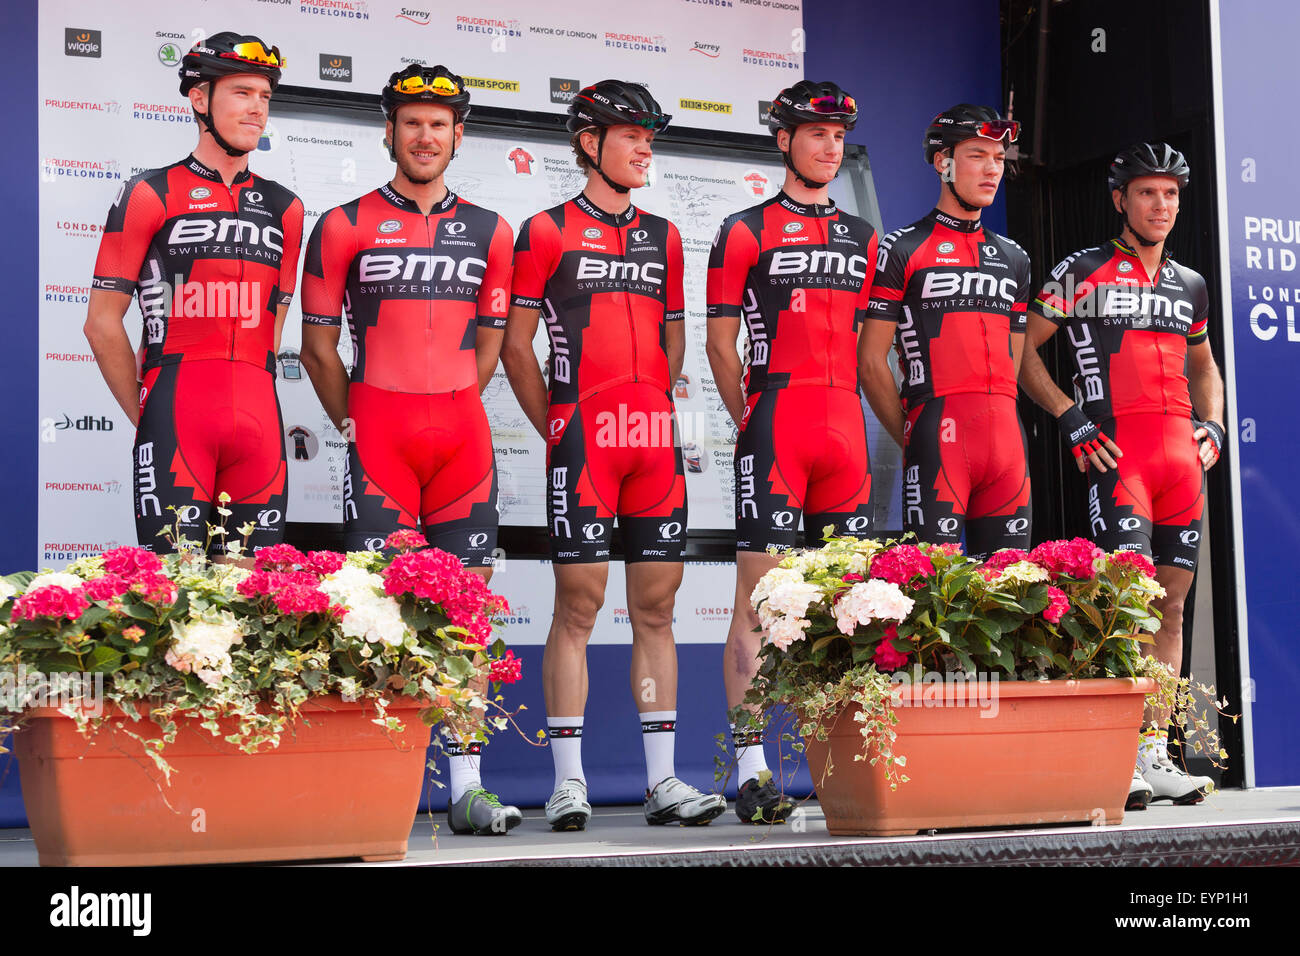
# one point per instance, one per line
(228, 54)
(425, 84)
(1147, 159)
(809, 102)
(960, 123)
(613, 103)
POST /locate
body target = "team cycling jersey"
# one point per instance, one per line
(957, 292)
(1129, 332)
(800, 275)
(415, 288)
(605, 284)
(209, 263)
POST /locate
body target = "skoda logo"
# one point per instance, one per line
(593, 531)
(990, 250)
(455, 228)
(1129, 524)
(200, 192)
(945, 248)
(947, 525)
(1017, 525)
(1125, 267)
(591, 232)
(857, 523)
(840, 229)
(792, 227)
(477, 540)
(670, 529)
(390, 225)
(254, 197)
(1189, 537)
(782, 519)
(640, 235)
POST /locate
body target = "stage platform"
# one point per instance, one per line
(1231, 828)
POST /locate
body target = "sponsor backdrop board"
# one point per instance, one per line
(1259, 210)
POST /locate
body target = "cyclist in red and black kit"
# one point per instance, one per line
(1137, 322)
(607, 279)
(211, 251)
(950, 296)
(423, 278)
(798, 271)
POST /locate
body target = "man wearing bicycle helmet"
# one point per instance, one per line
(211, 252)
(798, 270)
(1143, 429)
(607, 278)
(423, 277)
(950, 296)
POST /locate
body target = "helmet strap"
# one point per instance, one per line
(789, 164)
(951, 181)
(206, 120)
(600, 149)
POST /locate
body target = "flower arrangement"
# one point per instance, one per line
(178, 635)
(847, 622)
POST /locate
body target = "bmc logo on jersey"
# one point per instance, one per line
(419, 267)
(814, 262)
(651, 272)
(185, 231)
(943, 285)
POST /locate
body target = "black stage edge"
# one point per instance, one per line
(1261, 843)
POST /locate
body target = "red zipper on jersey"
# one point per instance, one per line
(239, 255)
(627, 303)
(984, 326)
(830, 331)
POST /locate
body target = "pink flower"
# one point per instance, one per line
(853, 576)
(50, 601)
(992, 568)
(1134, 559)
(432, 574)
(899, 564)
(507, 670)
(278, 557)
(154, 588)
(886, 658)
(408, 539)
(951, 550)
(129, 562)
(1076, 558)
(106, 587)
(1057, 604)
(322, 563)
(298, 599)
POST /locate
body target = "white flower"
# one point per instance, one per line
(371, 615)
(51, 578)
(203, 648)
(870, 601)
(771, 581)
(785, 631)
(1022, 572)
(7, 590)
(792, 598)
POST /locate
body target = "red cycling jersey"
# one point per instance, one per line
(801, 277)
(957, 293)
(605, 284)
(414, 288)
(1129, 332)
(210, 263)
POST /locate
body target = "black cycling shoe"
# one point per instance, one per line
(761, 803)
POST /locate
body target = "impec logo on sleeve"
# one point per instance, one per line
(562, 90)
(336, 68)
(705, 106)
(78, 42)
(485, 83)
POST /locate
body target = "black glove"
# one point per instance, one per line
(1213, 434)
(1079, 432)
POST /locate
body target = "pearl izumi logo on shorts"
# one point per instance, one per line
(336, 68)
(562, 90)
(77, 42)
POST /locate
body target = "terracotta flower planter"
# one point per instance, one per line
(1038, 753)
(337, 786)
